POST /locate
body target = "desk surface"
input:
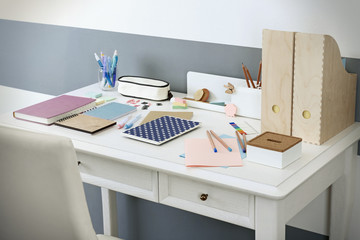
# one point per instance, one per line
(252, 178)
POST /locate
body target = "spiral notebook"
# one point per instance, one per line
(85, 123)
(161, 130)
(111, 111)
(52, 110)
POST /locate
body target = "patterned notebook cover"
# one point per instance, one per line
(161, 129)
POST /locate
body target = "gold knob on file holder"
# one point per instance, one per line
(203, 197)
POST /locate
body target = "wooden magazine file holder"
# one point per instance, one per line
(306, 91)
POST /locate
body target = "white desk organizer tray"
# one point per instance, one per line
(247, 100)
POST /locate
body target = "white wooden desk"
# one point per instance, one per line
(254, 196)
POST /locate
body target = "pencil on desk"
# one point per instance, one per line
(240, 141)
(259, 74)
(250, 78)
(244, 136)
(211, 141)
(247, 80)
(221, 141)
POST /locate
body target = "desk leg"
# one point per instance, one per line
(269, 219)
(342, 197)
(109, 212)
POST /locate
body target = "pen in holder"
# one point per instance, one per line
(106, 81)
(107, 71)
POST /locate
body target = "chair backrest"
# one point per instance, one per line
(41, 193)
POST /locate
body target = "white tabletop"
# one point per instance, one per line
(252, 177)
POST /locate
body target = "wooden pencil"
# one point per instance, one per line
(259, 74)
(240, 141)
(220, 140)
(211, 141)
(246, 77)
(250, 78)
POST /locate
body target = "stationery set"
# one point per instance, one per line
(74, 112)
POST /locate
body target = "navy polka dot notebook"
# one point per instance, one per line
(161, 130)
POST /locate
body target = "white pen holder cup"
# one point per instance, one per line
(106, 81)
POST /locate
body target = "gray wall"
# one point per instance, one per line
(55, 60)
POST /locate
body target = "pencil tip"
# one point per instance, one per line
(230, 149)
(215, 150)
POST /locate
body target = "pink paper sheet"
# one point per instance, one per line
(198, 153)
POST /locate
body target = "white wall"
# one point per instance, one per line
(233, 22)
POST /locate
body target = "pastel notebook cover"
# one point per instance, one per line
(111, 111)
(198, 153)
(161, 130)
(156, 114)
(54, 109)
(85, 123)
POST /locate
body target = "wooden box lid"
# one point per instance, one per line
(274, 141)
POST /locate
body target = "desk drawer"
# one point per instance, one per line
(213, 201)
(121, 177)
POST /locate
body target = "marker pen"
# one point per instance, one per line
(131, 123)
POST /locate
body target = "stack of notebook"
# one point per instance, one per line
(74, 112)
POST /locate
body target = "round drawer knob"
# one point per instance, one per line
(203, 197)
(78, 163)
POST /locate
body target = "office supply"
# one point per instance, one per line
(237, 133)
(250, 78)
(161, 130)
(211, 141)
(273, 149)
(259, 75)
(277, 84)
(145, 88)
(52, 110)
(113, 67)
(123, 121)
(296, 61)
(99, 101)
(107, 71)
(156, 114)
(221, 141)
(328, 106)
(179, 100)
(132, 121)
(237, 128)
(245, 142)
(198, 155)
(111, 111)
(98, 60)
(246, 76)
(218, 103)
(85, 123)
(93, 94)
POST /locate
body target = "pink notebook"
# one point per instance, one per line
(198, 153)
(55, 109)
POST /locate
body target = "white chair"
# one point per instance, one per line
(41, 193)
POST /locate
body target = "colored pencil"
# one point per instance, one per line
(221, 141)
(240, 141)
(211, 141)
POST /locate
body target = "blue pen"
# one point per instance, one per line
(98, 60)
(113, 67)
(132, 121)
